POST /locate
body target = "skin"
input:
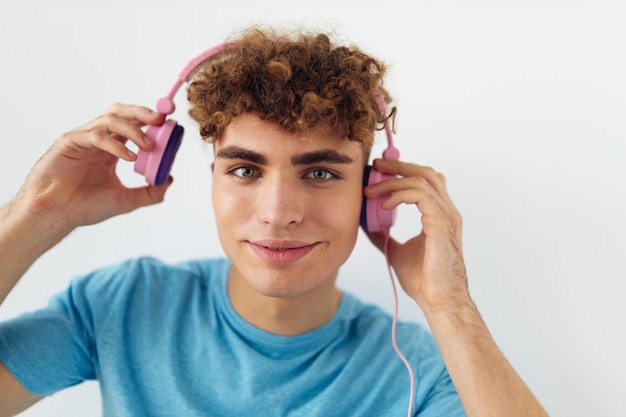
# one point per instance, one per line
(274, 188)
(267, 195)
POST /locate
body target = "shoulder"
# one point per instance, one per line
(371, 318)
(371, 327)
(150, 265)
(145, 275)
(149, 268)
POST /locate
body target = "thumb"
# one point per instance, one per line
(147, 195)
(378, 239)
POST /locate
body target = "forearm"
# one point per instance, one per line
(487, 384)
(25, 235)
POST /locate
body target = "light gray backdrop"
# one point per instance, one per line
(521, 104)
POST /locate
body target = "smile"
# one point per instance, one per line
(283, 253)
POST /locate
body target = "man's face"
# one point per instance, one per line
(287, 206)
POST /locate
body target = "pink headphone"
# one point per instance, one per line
(157, 164)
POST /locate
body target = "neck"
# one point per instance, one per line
(285, 316)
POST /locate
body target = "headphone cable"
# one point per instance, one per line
(393, 325)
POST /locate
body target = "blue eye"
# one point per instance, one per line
(245, 172)
(321, 174)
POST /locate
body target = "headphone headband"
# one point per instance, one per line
(391, 152)
(165, 105)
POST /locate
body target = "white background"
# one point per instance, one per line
(521, 104)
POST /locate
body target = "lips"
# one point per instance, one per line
(281, 251)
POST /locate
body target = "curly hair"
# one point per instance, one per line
(299, 83)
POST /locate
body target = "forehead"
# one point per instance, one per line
(269, 138)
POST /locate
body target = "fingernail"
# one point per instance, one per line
(156, 114)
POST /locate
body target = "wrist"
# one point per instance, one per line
(25, 218)
(23, 238)
(453, 316)
(451, 302)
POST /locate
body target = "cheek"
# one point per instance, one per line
(342, 223)
(231, 206)
(342, 214)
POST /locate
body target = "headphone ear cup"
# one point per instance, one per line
(373, 217)
(157, 164)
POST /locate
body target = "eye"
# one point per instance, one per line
(321, 174)
(245, 172)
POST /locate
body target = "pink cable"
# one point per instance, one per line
(393, 326)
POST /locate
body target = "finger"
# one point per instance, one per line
(378, 239)
(404, 169)
(411, 190)
(139, 115)
(147, 195)
(120, 127)
(426, 200)
(74, 144)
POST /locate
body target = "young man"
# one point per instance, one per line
(265, 331)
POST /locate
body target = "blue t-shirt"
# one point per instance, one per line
(164, 340)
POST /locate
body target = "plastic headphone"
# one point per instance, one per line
(374, 218)
(156, 165)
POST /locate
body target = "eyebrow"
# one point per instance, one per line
(330, 156)
(236, 152)
(307, 158)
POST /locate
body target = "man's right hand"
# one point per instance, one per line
(75, 182)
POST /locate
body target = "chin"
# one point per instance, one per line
(286, 281)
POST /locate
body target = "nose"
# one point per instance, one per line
(281, 201)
